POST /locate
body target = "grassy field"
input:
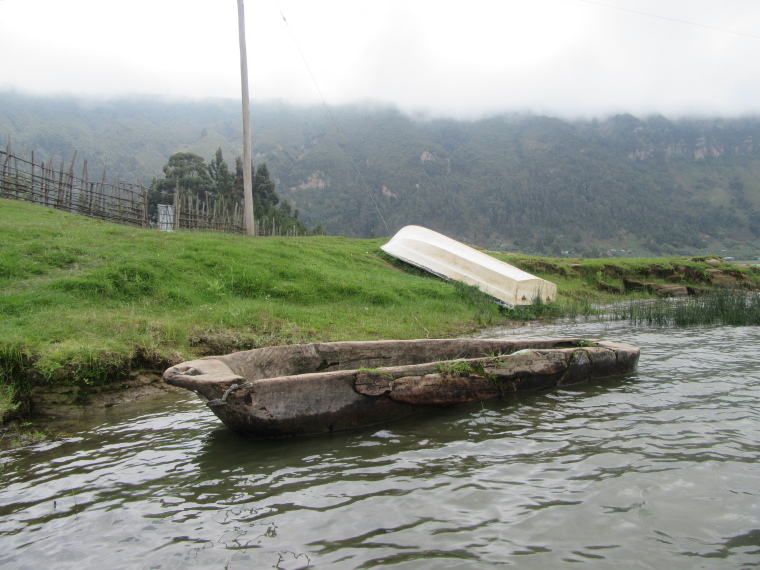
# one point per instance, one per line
(85, 302)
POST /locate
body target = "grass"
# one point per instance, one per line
(594, 279)
(84, 302)
(8, 403)
(15, 390)
(18, 434)
(456, 368)
(720, 307)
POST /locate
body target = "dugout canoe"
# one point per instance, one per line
(322, 387)
(456, 261)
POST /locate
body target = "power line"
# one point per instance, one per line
(332, 117)
(672, 19)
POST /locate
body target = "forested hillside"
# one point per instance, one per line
(520, 182)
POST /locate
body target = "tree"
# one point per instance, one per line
(220, 174)
(237, 181)
(266, 200)
(754, 222)
(264, 196)
(186, 171)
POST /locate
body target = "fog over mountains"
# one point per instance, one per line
(645, 185)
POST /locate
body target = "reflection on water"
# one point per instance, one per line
(654, 470)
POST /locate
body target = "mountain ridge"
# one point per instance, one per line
(515, 181)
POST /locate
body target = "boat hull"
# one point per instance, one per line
(322, 387)
(456, 261)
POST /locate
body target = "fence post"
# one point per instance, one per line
(82, 207)
(176, 213)
(31, 181)
(144, 200)
(59, 184)
(50, 195)
(71, 183)
(6, 166)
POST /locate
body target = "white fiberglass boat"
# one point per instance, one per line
(453, 260)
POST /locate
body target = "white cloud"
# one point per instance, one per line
(483, 56)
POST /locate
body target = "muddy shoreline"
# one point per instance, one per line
(59, 408)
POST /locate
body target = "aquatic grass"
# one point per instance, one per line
(574, 308)
(537, 309)
(16, 434)
(15, 390)
(720, 307)
(8, 401)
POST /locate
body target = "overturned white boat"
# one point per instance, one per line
(453, 260)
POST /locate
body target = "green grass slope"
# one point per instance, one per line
(84, 301)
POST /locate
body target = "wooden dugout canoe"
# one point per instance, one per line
(456, 261)
(321, 387)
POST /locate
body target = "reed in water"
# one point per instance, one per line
(720, 307)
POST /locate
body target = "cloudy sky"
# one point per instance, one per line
(463, 59)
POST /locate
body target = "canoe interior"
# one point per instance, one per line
(275, 361)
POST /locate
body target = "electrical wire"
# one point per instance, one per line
(671, 19)
(332, 117)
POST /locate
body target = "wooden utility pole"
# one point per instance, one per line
(247, 185)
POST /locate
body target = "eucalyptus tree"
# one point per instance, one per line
(188, 173)
(263, 189)
(220, 174)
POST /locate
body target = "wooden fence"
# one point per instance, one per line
(59, 186)
(47, 184)
(192, 213)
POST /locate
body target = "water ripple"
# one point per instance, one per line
(657, 469)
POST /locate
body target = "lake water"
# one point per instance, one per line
(657, 470)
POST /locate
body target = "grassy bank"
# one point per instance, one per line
(84, 302)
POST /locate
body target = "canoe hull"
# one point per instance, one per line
(322, 387)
